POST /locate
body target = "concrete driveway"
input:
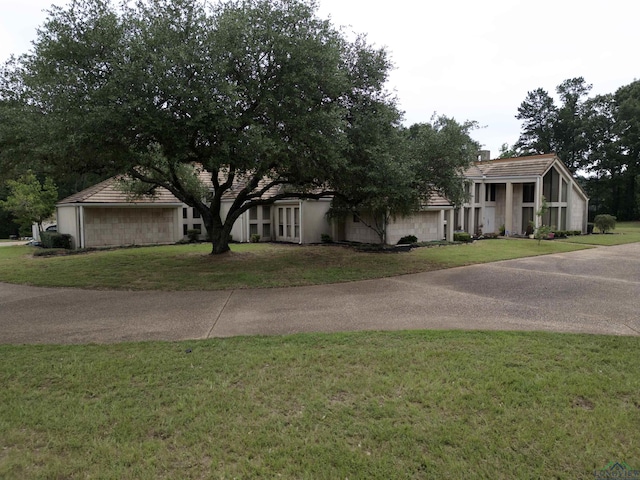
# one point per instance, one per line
(590, 291)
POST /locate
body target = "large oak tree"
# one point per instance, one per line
(246, 90)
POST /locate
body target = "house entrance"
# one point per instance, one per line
(288, 224)
(489, 220)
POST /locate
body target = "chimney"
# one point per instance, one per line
(484, 155)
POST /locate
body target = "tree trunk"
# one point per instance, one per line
(218, 232)
(219, 239)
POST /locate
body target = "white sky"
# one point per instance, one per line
(468, 59)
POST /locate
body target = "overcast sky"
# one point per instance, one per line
(468, 59)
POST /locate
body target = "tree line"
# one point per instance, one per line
(597, 137)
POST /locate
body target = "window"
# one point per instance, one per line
(356, 218)
(266, 212)
(197, 226)
(185, 227)
(266, 230)
(527, 217)
(184, 213)
(288, 216)
(528, 192)
(565, 189)
(253, 229)
(551, 186)
(253, 213)
(196, 213)
(476, 193)
(281, 222)
(490, 192)
(296, 222)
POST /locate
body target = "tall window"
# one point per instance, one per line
(490, 192)
(184, 213)
(196, 213)
(551, 186)
(528, 192)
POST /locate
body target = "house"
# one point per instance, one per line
(508, 192)
(503, 192)
(104, 215)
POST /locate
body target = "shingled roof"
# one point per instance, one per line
(109, 192)
(536, 165)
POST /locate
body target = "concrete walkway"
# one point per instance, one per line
(590, 291)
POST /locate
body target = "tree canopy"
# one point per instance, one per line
(412, 164)
(161, 89)
(270, 100)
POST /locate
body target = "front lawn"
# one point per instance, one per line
(190, 267)
(363, 405)
(625, 232)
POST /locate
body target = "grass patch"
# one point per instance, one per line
(190, 267)
(363, 405)
(625, 232)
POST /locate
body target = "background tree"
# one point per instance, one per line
(627, 116)
(162, 89)
(548, 128)
(30, 201)
(538, 114)
(598, 138)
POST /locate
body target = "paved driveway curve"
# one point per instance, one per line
(590, 291)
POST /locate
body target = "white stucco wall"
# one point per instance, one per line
(314, 220)
(424, 225)
(578, 211)
(68, 223)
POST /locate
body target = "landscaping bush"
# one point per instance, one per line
(461, 237)
(255, 238)
(193, 235)
(605, 222)
(55, 240)
(409, 239)
(326, 238)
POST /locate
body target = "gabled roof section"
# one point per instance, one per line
(536, 165)
(435, 201)
(109, 192)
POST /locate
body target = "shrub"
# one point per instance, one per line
(193, 235)
(255, 238)
(326, 238)
(461, 237)
(55, 240)
(407, 240)
(502, 230)
(605, 222)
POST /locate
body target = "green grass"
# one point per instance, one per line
(625, 232)
(190, 267)
(362, 405)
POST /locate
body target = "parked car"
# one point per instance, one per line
(52, 228)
